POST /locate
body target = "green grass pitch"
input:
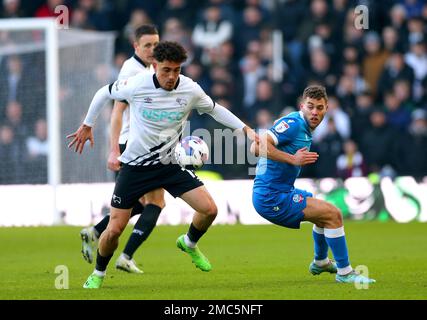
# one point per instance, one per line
(249, 262)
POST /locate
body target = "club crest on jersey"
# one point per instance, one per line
(281, 127)
(147, 100)
(182, 102)
(297, 198)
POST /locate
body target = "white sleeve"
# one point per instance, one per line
(226, 117)
(119, 90)
(204, 103)
(99, 100)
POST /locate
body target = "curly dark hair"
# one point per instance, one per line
(169, 51)
(315, 92)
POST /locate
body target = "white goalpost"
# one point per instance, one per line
(49, 26)
(58, 71)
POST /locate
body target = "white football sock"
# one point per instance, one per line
(188, 242)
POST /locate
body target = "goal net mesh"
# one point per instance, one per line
(85, 65)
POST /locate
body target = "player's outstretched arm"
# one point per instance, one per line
(116, 127)
(251, 134)
(266, 148)
(228, 119)
(84, 132)
(80, 137)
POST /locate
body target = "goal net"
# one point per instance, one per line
(47, 81)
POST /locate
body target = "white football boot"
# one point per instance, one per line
(127, 265)
(89, 243)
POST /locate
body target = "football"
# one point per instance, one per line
(191, 151)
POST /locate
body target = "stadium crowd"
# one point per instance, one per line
(376, 78)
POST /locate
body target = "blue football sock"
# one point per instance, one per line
(320, 244)
(336, 241)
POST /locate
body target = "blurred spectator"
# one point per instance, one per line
(352, 36)
(330, 147)
(12, 80)
(412, 150)
(351, 54)
(263, 119)
(360, 116)
(212, 31)
(180, 10)
(321, 70)
(324, 36)
(12, 9)
(358, 83)
(224, 56)
(351, 163)
(318, 13)
(403, 91)
(291, 13)
(395, 69)
(80, 20)
(398, 17)
(416, 58)
(378, 143)
(24, 83)
(37, 150)
(252, 72)
(264, 96)
(99, 13)
(391, 40)
(151, 8)
(48, 9)
(374, 60)
(339, 9)
(415, 28)
(340, 119)
(173, 30)
(225, 7)
(249, 29)
(138, 17)
(195, 71)
(15, 120)
(413, 8)
(397, 116)
(10, 156)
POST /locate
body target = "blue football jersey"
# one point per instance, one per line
(290, 134)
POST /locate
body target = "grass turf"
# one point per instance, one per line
(249, 262)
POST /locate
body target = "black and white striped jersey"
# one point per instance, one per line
(157, 116)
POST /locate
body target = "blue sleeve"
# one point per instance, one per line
(284, 131)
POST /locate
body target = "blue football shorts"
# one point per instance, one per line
(282, 208)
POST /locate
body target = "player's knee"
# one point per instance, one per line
(335, 215)
(211, 210)
(114, 232)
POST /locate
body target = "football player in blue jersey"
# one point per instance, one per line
(283, 149)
